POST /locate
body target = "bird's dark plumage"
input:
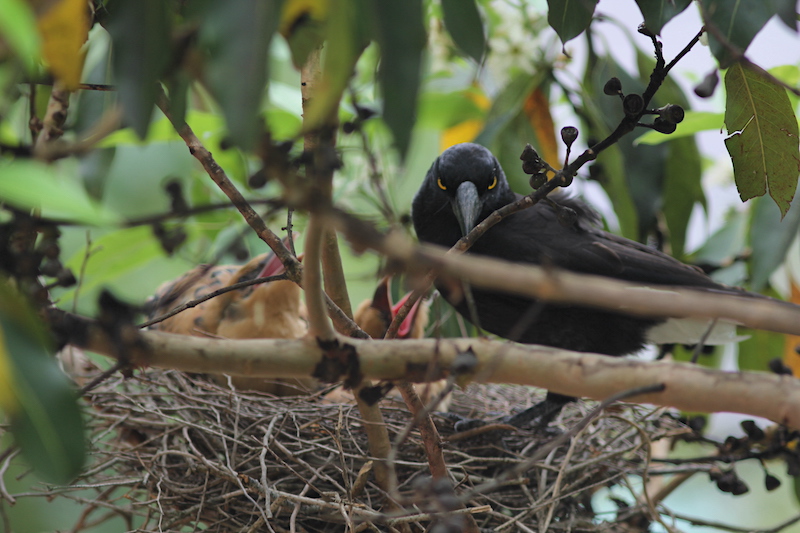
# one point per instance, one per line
(465, 184)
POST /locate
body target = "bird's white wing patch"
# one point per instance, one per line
(691, 330)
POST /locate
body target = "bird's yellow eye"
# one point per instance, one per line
(440, 184)
(494, 183)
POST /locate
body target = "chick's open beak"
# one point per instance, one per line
(407, 326)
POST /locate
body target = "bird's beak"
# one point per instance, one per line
(273, 267)
(407, 325)
(467, 206)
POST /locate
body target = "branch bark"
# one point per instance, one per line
(218, 175)
(687, 387)
(562, 286)
(294, 270)
(326, 254)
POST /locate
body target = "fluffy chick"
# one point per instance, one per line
(266, 311)
(374, 316)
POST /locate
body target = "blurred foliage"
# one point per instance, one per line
(400, 81)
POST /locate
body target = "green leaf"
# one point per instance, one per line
(771, 234)
(693, 122)
(113, 256)
(237, 35)
(796, 486)
(282, 124)
(644, 166)
(658, 12)
(507, 105)
(763, 141)
(348, 36)
(609, 170)
(18, 29)
(685, 354)
(725, 244)
(178, 91)
(32, 185)
(756, 352)
(463, 23)
(570, 17)
(736, 23)
(140, 33)
(761, 347)
(203, 124)
(444, 110)
(38, 398)
(304, 26)
(400, 31)
(682, 189)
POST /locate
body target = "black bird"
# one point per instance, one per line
(466, 183)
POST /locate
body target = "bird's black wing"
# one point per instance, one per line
(537, 236)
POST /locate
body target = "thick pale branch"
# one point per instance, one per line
(312, 282)
(597, 291)
(687, 387)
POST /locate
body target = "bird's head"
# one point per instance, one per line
(468, 178)
(374, 316)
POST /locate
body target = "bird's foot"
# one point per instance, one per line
(543, 412)
(462, 423)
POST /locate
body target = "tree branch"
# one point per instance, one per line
(687, 387)
(326, 254)
(294, 270)
(563, 286)
(217, 174)
(318, 324)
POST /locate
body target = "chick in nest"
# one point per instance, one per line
(271, 310)
(374, 316)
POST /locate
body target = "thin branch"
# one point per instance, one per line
(333, 273)
(325, 243)
(108, 123)
(294, 270)
(217, 174)
(375, 177)
(54, 118)
(218, 292)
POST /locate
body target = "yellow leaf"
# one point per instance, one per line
(537, 109)
(64, 28)
(460, 133)
(295, 12)
(467, 130)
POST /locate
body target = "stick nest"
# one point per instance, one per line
(173, 451)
